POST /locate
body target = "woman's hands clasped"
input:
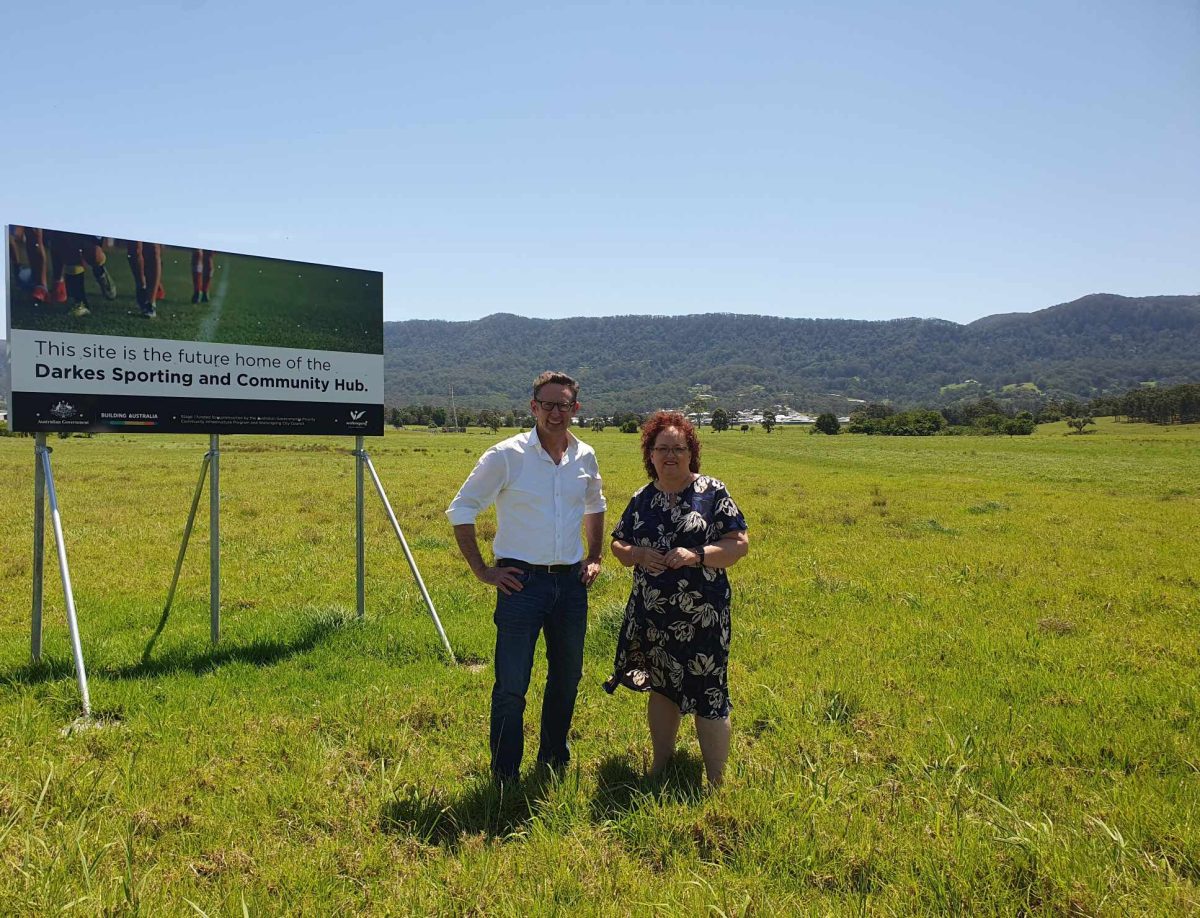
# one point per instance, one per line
(655, 562)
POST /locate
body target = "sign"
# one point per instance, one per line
(122, 335)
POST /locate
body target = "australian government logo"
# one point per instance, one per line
(64, 411)
(60, 414)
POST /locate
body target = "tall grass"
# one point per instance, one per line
(963, 674)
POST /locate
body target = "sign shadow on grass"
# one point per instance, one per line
(182, 659)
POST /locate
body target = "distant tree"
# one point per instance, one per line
(876, 410)
(1020, 426)
(745, 428)
(510, 419)
(993, 423)
(598, 423)
(489, 419)
(720, 419)
(1078, 424)
(769, 421)
(395, 418)
(1050, 413)
(827, 423)
(630, 427)
(437, 417)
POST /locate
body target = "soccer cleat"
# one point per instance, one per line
(204, 296)
(40, 293)
(148, 310)
(107, 287)
(60, 291)
(196, 297)
(80, 308)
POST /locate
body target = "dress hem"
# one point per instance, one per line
(618, 680)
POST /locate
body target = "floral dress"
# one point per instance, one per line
(675, 636)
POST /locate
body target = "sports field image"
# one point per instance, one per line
(963, 672)
(251, 300)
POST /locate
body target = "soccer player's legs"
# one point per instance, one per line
(68, 252)
(52, 247)
(141, 257)
(151, 257)
(145, 263)
(137, 267)
(92, 249)
(35, 251)
(202, 270)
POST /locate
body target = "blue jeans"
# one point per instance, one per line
(557, 605)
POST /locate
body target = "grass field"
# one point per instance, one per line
(258, 301)
(964, 675)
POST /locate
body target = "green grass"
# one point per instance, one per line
(258, 301)
(963, 672)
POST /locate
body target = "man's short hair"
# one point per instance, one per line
(555, 376)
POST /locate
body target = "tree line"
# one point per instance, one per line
(1172, 405)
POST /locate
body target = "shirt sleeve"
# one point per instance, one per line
(727, 517)
(480, 489)
(628, 522)
(593, 500)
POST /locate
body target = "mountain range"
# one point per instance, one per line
(1097, 345)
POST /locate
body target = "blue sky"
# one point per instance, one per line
(864, 160)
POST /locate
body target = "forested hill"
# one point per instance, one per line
(1095, 345)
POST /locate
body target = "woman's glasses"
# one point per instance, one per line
(676, 451)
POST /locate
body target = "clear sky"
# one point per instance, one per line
(863, 160)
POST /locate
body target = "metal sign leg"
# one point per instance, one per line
(412, 563)
(39, 545)
(214, 537)
(187, 534)
(360, 535)
(64, 570)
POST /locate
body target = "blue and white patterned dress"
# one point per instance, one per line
(675, 636)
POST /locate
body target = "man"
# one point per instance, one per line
(545, 484)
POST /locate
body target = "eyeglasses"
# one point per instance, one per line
(547, 407)
(676, 451)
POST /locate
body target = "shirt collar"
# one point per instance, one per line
(533, 439)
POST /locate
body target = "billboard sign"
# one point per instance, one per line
(123, 335)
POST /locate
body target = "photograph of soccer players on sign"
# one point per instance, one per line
(233, 299)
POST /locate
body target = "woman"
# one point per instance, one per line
(679, 533)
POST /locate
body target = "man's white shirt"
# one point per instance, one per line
(539, 505)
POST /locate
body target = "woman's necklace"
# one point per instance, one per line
(672, 494)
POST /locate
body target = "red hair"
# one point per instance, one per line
(656, 424)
